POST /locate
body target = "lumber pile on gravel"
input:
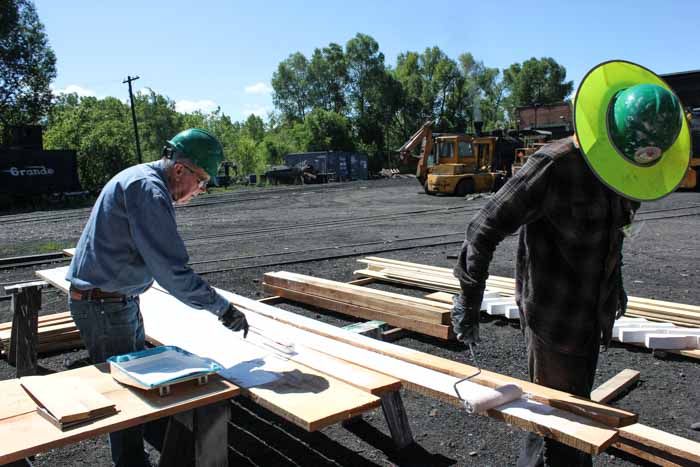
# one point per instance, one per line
(56, 332)
(414, 314)
(672, 326)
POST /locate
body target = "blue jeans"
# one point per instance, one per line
(110, 328)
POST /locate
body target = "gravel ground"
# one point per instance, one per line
(235, 237)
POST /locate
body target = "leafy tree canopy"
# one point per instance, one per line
(27, 64)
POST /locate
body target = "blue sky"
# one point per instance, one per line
(209, 53)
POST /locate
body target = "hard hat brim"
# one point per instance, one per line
(633, 181)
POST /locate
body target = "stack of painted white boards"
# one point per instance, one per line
(651, 323)
(331, 361)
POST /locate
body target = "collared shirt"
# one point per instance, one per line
(131, 238)
(568, 276)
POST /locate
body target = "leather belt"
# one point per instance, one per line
(95, 294)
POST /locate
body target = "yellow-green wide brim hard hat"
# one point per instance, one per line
(640, 182)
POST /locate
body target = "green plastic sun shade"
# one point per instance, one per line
(624, 177)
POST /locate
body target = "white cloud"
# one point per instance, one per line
(192, 106)
(259, 110)
(258, 88)
(75, 89)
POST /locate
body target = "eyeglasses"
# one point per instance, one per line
(203, 181)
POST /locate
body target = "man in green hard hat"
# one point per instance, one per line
(572, 201)
(130, 240)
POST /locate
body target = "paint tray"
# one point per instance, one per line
(161, 367)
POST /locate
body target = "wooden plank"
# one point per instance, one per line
(658, 444)
(387, 302)
(26, 433)
(300, 394)
(608, 415)
(580, 432)
(436, 330)
(443, 297)
(43, 320)
(311, 399)
(615, 386)
(304, 396)
(66, 399)
(275, 299)
(434, 273)
(383, 277)
(380, 296)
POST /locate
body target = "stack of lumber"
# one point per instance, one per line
(635, 438)
(67, 402)
(56, 332)
(317, 384)
(437, 278)
(578, 422)
(428, 277)
(415, 314)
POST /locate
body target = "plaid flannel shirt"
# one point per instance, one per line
(568, 276)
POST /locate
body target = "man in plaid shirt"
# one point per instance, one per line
(571, 225)
(571, 214)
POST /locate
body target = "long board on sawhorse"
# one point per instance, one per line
(25, 433)
(572, 429)
(310, 391)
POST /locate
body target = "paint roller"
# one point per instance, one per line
(477, 398)
(284, 347)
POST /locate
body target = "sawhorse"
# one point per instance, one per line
(26, 302)
(198, 437)
(396, 419)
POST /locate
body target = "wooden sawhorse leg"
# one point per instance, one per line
(395, 414)
(198, 437)
(396, 419)
(26, 302)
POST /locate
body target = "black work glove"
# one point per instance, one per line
(465, 318)
(621, 304)
(235, 320)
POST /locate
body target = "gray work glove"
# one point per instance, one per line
(235, 320)
(465, 318)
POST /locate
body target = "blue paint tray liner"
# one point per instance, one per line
(160, 367)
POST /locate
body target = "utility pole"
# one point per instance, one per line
(129, 79)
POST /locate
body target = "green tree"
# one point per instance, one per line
(158, 122)
(27, 64)
(99, 130)
(255, 128)
(291, 90)
(365, 68)
(537, 82)
(325, 130)
(328, 78)
(413, 112)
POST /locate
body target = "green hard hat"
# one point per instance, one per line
(644, 121)
(631, 131)
(201, 147)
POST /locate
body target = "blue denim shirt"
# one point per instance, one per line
(131, 238)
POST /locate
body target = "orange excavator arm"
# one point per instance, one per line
(424, 133)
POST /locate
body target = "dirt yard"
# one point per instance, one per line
(234, 238)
